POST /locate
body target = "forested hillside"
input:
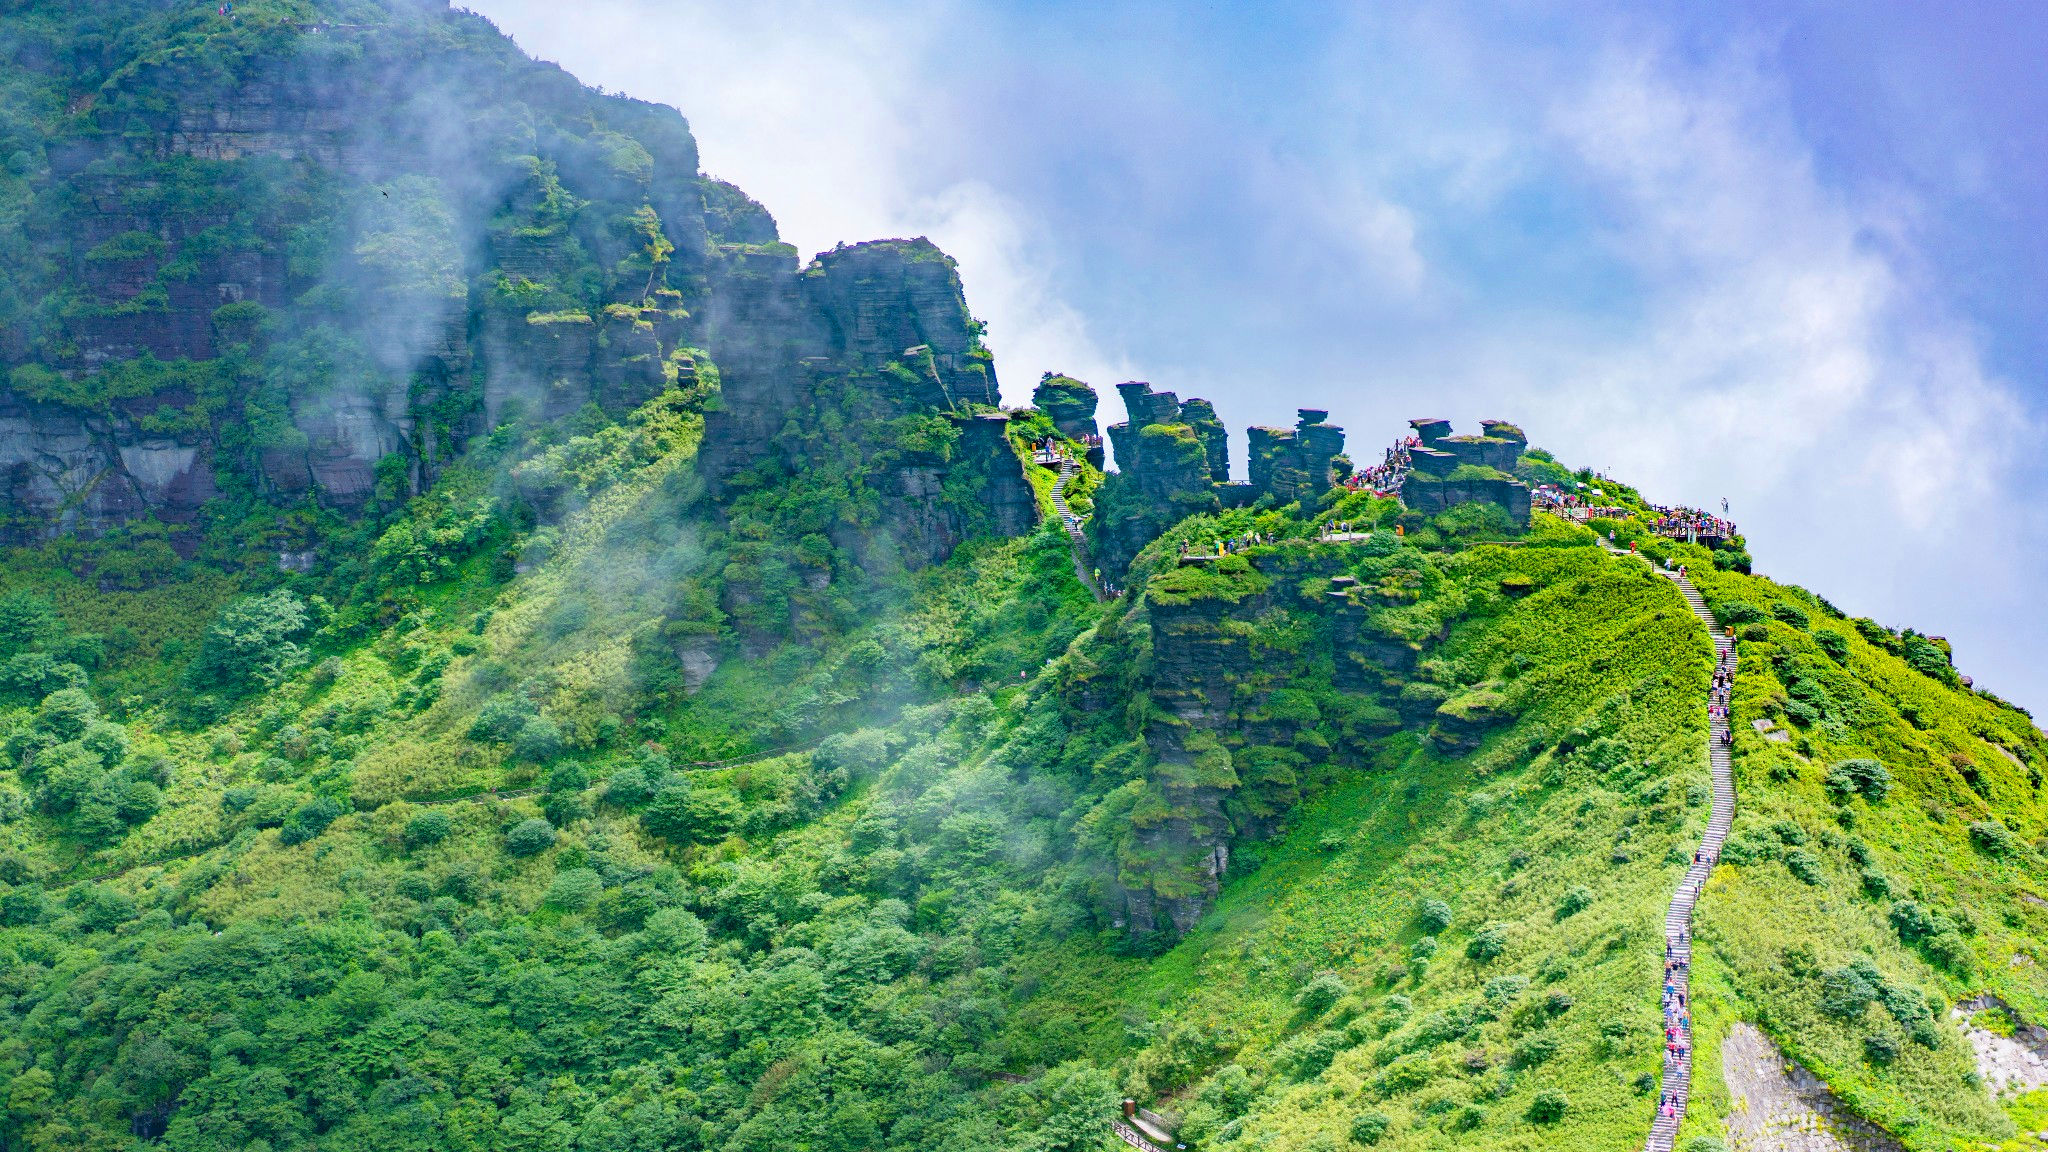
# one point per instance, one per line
(498, 653)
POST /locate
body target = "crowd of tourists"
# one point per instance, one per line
(1691, 525)
(1384, 478)
(1573, 506)
(1678, 947)
(1227, 545)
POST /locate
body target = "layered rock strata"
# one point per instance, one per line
(1230, 733)
(338, 244)
(1446, 470)
(1299, 463)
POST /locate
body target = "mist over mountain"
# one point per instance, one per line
(499, 650)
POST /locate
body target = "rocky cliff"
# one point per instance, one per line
(1242, 713)
(1164, 474)
(1298, 463)
(306, 257)
(1447, 470)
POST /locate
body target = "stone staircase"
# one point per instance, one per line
(1072, 524)
(1676, 1088)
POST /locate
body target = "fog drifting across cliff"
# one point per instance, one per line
(1635, 233)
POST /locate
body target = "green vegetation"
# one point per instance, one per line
(575, 801)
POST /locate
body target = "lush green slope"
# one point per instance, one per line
(305, 939)
(606, 786)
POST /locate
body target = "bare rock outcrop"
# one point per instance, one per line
(1777, 1106)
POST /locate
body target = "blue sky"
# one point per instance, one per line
(1791, 254)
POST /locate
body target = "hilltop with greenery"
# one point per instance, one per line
(593, 790)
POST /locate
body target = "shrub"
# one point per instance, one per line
(1846, 992)
(1535, 1050)
(250, 644)
(1548, 1107)
(1880, 1049)
(502, 717)
(1867, 777)
(1992, 838)
(1791, 614)
(539, 740)
(1368, 1127)
(1755, 633)
(1876, 884)
(1575, 901)
(1736, 612)
(463, 881)
(1927, 658)
(429, 827)
(530, 837)
(1318, 994)
(1913, 922)
(574, 889)
(1834, 643)
(310, 820)
(1488, 943)
(1305, 1056)
(1804, 865)
(1949, 950)
(1435, 916)
(1705, 1144)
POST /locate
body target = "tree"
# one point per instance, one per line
(250, 644)
(1488, 943)
(530, 837)
(1548, 1107)
(1078, 1101)
(26, 620)
(430, 827)
(1435, 917)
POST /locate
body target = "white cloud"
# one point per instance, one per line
(1628, 249)
(824, 113)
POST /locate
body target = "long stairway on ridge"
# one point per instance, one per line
(1072, 524)
(1676, 1088)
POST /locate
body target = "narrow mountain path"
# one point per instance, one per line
(1676, 1090)
(1072, 523)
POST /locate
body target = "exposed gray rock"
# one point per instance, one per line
(1777, 1106)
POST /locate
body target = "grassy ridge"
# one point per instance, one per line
(1453, 942)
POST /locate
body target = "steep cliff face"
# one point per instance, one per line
(309, 256)
(845, 364)
(1299, 463)
(1164, 474)
(1449, 470)
(1241, 713)
(348, 240)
